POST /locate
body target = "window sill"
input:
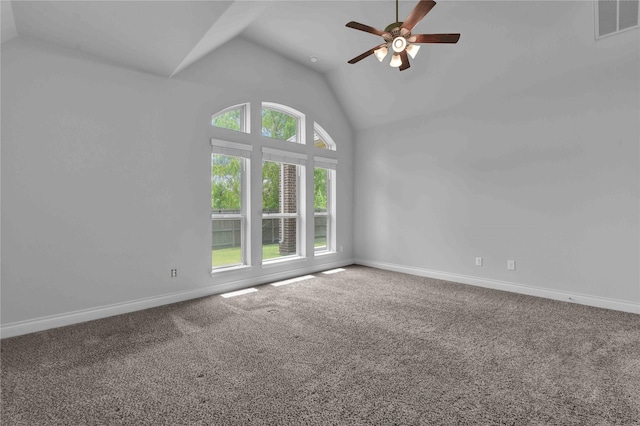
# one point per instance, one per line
(324, 253)
(215, 271)
(287, 259)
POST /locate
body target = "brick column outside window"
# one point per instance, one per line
(288, 204)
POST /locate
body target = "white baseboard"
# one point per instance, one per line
(60, 320)
(583, 299)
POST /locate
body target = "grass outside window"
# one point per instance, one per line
(228, 255)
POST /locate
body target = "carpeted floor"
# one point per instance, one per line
(363, 346)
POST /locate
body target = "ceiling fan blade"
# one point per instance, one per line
(418, 12)
(365, 28)
(434, 38)
(365, 54)
(405, 60)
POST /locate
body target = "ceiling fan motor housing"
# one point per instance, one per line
(394, 29)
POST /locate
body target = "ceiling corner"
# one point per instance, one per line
(230, 24)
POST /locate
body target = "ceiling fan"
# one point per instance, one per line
(398, 37)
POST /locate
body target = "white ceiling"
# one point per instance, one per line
(505, 46)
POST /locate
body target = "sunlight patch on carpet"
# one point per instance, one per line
(239, 292)
(292, 280)
(333, 271)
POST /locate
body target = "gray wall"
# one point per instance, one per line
(106, 177)
(546, 174)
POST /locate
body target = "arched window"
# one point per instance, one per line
(321, 138)
(233, 118)
(282, 122)
(282, 191)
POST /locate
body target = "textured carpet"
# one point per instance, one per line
(363, 346)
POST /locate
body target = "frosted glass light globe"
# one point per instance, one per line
(399, 43)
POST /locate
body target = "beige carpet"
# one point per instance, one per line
(363, 346)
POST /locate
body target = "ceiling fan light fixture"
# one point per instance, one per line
(381, 53)
(396, 60)
(399, 44)
(399, 37)
(412, 50)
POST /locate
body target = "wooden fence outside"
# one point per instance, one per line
(227, 232)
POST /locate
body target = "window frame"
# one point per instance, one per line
(243, 153)
(324, 136)
(298, 160)
(299, 137)
(245, 117)
(303, 156)
(596, 16)
(330, 165)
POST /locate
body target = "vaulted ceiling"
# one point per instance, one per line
(506, 46)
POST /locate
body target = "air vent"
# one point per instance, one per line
(614, 16)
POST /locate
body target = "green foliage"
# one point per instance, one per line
(226, 183)
(226, 172)
(228, 120)
(320, 190)
(278, 125)
(270, 186)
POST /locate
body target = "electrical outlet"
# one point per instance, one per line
(478, 261)
(511, 265)
(174, 273)
(341, 248)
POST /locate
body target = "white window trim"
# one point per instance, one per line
(281, 215)
(297, 160)
(325, 163)
(245, 117)
(230, 268)
(283, 259)
(271, 149)
(596, 16)
(242, 151)
(232, 149)
(324, 136)
(281, 156)
(330, 165)
(227, 216)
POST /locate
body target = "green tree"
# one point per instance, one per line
(278, 125)
(225, 171)
(228, 120)
(226, 183)
(270, 186)
(320, 190)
